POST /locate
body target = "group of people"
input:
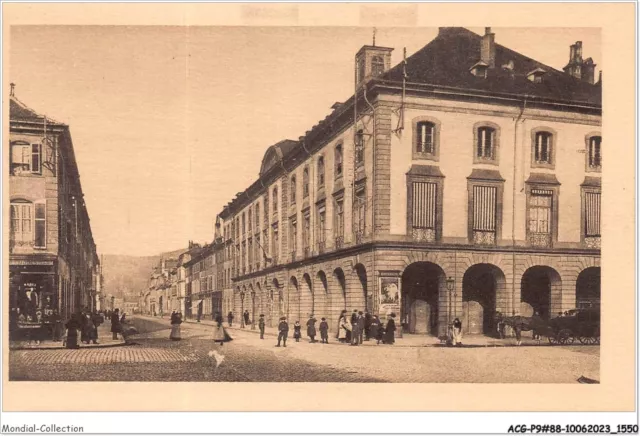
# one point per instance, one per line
(354, 330)
(220, 334)
(86, 323)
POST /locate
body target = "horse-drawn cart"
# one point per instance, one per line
(582, 325)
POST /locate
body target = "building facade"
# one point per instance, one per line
(53, 262)
(462, 182)
(204, 279)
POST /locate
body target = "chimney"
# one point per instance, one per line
(13, 89)
(488, 48)
(574, 67)
(588, 71)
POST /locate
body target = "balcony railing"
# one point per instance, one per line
(339, 242)
(321, 247)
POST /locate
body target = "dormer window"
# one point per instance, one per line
(479, 69)
(377, 66)
(535, 76)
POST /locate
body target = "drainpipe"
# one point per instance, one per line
(513, 208)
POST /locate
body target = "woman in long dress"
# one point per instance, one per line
(176, 320)
(219, 332)
(457, 332)
(345, 328)
(390, 330)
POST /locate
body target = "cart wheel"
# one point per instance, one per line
(565, 337)
(552, 340)
(597, 340)
(586, 340)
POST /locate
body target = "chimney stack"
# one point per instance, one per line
(488, 48)
(578, 68)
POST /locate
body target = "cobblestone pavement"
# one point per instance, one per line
(248, 358)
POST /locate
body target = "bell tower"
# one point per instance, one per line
(372, 61)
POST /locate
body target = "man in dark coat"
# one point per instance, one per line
(389, 331)
(324, 331)
(283, 331)
(261, 326)
(361, 324)
(247, 318)
(115, 323)
(230, 318)
(367, 326)
(311, 328)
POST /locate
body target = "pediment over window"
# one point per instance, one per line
(543, 179)
(482, 174)
(592, 181)
(425, 170)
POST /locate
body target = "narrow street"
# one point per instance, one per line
(247, 358)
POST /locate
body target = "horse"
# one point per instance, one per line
(519, 324)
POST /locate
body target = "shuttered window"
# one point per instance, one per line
(424, 197)
(540, 203)
(592, 213)
(484, 208)
(40, 225)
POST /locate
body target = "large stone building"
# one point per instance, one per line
(461, 182)
(53, 263)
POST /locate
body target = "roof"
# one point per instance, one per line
(276, 153)
(19, 111)
(446, 61)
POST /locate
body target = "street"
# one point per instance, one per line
(154, 357)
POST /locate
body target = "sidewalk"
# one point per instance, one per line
(408, 340)
(105, 339)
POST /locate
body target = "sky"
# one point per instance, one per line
(169, 123)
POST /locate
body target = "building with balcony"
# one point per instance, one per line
(53, 263)
(462, 182)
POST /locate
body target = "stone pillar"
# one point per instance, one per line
(382, 169)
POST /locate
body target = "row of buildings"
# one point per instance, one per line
(464, 181)
(53, 262)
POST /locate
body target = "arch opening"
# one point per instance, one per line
(483, 291)
(541, 291)
(422, 285)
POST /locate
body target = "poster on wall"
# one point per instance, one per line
(389, 297)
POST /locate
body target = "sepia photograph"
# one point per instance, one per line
(438, 219)
(296, 210)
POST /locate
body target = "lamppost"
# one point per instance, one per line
(451, 284)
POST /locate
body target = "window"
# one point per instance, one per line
(250, 219)
(21, 222)
(338, 159)
(26, 158)
(321, 227)
(305, 182)
(484, 214)
(306, 233)
(540, 217)
(293, 189)
(426, 138)
(244, 218)
(543, 149)
(359, 213)
(486, 144)
(591, 217)
(594, 156)
(359, 147)
(361, 69)
(320, 171)
(275, 243)
(293, 235)
(377, 66)
(250, 253)
(424, 196)
(339, 221)
(257, 211)
(266, 207)
(275, 200)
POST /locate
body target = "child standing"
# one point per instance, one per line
(296, 331)
(324, 331)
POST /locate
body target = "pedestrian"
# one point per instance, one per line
(176, 320)
(374, 327)
(324, 331)
(367, 325)
(339, 330)
(457, 332)
(345, 328)
(356, 329)
(283, 331)
(361, 324)
(297, 334)
(58, 328)
(85, 327)
(73, 325)
(389, 331)
(311, 328)
(261, 325)
(219, 333)
(96, 320)
(247, 318)
(115, 324)
(230, 318)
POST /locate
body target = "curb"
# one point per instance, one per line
(65, 348)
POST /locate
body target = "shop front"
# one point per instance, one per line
(34, 300)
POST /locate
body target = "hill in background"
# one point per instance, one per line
(125, 276)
